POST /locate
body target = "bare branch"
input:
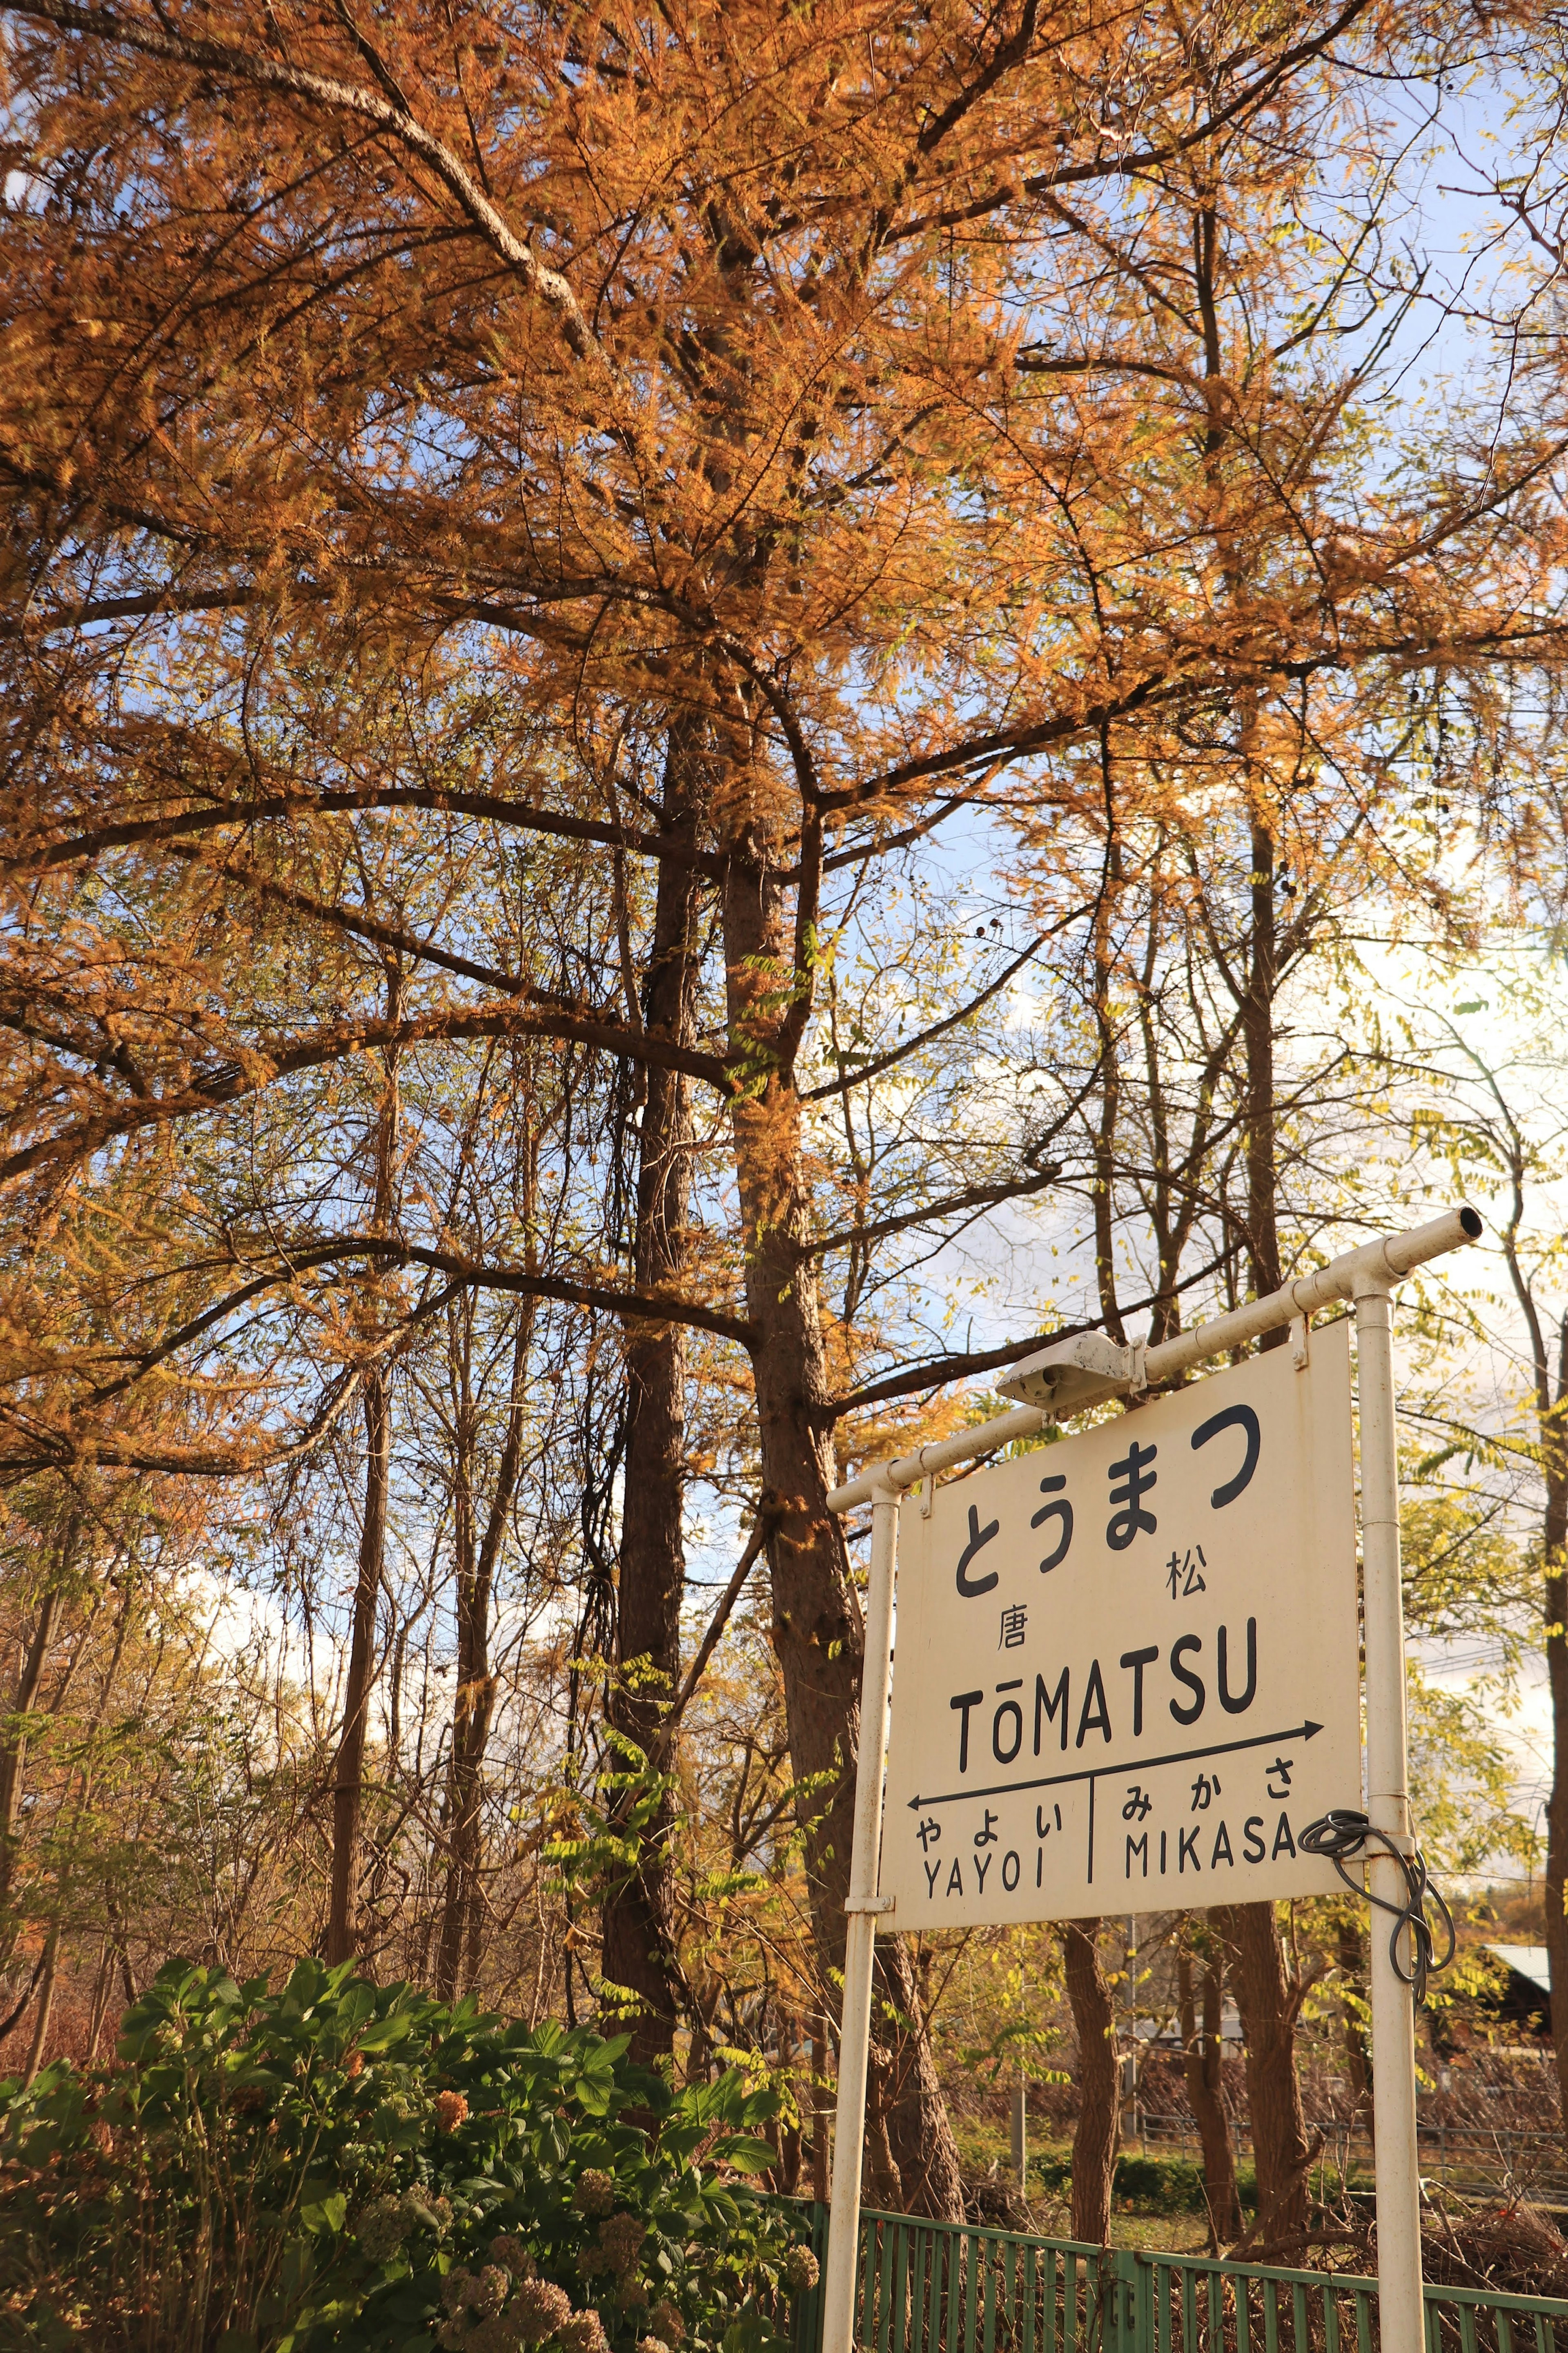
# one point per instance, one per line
(263, 1064)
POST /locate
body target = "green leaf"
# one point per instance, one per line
(746, 2153)
(325, 2214)
(385, 2033)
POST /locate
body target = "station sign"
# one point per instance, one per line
(1125, 1668)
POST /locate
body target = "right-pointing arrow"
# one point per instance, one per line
(1138, 1765)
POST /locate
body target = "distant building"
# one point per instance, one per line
(1526, 1999)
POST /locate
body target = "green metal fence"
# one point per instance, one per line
(942, 2288)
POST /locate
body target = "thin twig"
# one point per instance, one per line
(767, 1512)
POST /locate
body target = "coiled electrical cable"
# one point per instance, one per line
(1342, 1833)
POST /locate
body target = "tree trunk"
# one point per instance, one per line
(1269, 2004)
(1264, 1994)
(470, 1700)
(1556, 1598)
(816, 1627)
(473, 1703)
(102, 1988)
(1202, 2054)
(348, 1773)
(13, 1750)
(1555, 1548)
(13, 1747)
(1351, 1957)
(1094, 2136)
(640, 1946)
(348, 1769)
(1258, 1030)
(46, 2008)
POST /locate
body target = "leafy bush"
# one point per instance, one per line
(1054, 2171)
(1150, 2184)
(338, 2167)
(1159, 2185)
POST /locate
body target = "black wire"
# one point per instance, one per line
(1342, 1833)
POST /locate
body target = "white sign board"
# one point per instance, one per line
(1125, 1666)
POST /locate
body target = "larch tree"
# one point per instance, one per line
(694, 380)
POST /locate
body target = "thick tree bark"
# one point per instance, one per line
(473, 1703)
(1094, 2134)
(816, 1627)
(1269, 2002)
(1555, 1548)
(640, 1946)
(1202, 2054)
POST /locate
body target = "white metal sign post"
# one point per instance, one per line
(1128, 1676)
(1395, 2169)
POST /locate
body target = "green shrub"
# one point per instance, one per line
(1150, 2185)
(1054, 2172)
(1159, 2185)
(339, 2166)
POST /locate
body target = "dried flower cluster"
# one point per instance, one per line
(384, 2224)
(497, 2311)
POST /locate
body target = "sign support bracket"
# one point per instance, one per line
(1063, 1378)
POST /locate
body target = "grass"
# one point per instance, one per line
(1157, 2201)
(1159, 2234)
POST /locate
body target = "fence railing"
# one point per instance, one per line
(942, 2288)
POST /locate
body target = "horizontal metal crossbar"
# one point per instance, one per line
(1066, 1386)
